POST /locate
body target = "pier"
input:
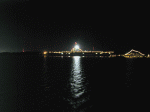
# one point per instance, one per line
(76, 51)
(79, 53)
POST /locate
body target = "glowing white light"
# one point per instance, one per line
(77, 47)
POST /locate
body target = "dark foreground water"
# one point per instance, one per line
(72, 84)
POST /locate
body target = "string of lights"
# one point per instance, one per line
(134, 51)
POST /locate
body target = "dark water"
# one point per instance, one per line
(72, 84)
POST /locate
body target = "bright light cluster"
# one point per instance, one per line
(76, 47)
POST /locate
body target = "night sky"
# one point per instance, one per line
(39, 26)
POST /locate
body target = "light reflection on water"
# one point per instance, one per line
(45, 75)
(77, 88)
(76, 82)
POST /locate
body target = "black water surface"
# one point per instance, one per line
(71, 84)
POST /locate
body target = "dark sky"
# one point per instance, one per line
(56, 26)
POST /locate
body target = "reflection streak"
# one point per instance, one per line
(77, 88)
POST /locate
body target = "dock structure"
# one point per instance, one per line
(79, 53)
(76, 51)
(96, 52)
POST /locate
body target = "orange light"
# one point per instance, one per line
(45, 52)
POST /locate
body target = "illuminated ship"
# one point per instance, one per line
(76, 51)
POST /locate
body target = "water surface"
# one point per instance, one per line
(70, 84)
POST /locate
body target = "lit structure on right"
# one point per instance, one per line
(134, 54)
